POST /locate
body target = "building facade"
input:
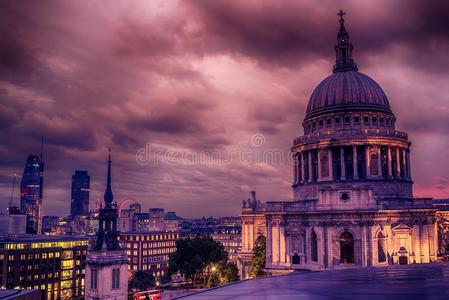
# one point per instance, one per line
(53, 264)
(156, 219)
(172, 222)
(352, 185)
(31, 192)
(231, 239)
(107, 263)
(149, 251)
(79, 205)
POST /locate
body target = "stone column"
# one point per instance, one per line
(319, 165)
(354, 161)
(425, 249)
(295, 169)
(398, 164)
(379, 162)
(342, 163)
(404, 163)
(331, 163)
(367, 161)
(269, 244)
(310, 165)
(390, 171)
(245, 235)
(303, 178)
(416, 243)
(282, 250)
(251, 235)
(363, 247)
(275, 244)
(409, 166)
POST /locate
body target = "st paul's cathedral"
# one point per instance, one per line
(353, 203)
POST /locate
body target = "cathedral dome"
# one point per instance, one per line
(347, 90)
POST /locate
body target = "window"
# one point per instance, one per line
(328, 121)
(365, 120)
(115, 279)
(374, 120)
(346, 248)
(381, 256)
(373, 165)
(324, 167)
(93, 279)
(314, 246)
(347, 119)
(321, 123)
(356, 119)
(296, 260)
(337, 120)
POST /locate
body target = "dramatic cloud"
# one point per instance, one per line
(188, 94)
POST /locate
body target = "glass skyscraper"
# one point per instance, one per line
(31, 191)
(80, 194)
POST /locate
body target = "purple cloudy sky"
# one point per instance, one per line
(196, 81)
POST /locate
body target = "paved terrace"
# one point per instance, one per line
(420, 282)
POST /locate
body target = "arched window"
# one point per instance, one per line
(381, 255)
(346, 248)
(373, 165)
(314, 246)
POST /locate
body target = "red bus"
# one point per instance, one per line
(147, 295)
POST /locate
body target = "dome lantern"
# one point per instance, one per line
(343, 49)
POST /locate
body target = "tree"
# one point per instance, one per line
(257, 263)
(193, 256)
(228, 272)
(213, 280)
(142, 281)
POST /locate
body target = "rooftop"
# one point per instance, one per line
(24, 238)
(419, 281)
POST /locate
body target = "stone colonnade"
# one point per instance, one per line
(317, 164)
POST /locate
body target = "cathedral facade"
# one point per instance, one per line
(353, 204)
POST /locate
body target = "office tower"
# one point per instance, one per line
(80, 194)
(31, 191)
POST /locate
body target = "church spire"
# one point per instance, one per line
(108, 196)
(343, 49)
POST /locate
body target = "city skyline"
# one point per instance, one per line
(185, 78)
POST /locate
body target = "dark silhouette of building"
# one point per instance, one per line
(31, 191)
(107, 263)
(80, 194)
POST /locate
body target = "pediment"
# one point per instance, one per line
(401, 226)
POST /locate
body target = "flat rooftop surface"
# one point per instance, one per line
(419, 281)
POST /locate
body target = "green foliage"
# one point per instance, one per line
(257, 263)
(213, 280)
(192, 256)
(228, 272)
(141, 281)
